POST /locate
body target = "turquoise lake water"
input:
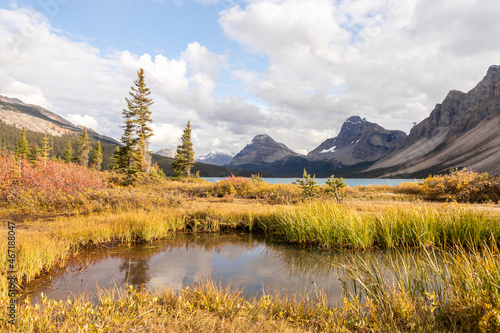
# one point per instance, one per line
(349, 181)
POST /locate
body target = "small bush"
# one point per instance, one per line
(308, 184)
(462, 186)
(256, 188)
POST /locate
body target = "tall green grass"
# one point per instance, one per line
(332, 225)
(457, 290)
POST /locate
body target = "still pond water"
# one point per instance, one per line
(247, 261)
(349, 181)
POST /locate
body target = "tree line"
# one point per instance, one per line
(131, 158)
(34, 152)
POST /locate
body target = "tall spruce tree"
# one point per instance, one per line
(97, 161)
(184, 157)
(22, 146)
(134, 156)
(83, 148)
(67, 155)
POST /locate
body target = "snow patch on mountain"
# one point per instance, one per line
(330, 150)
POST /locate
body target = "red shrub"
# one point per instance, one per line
(44, 181)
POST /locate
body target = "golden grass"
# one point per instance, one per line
(368, 217)
(360, 225)
(44, 243)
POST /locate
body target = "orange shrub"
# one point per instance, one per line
(256, 189)
(45, 183)
(463, 186)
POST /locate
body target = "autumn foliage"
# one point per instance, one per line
(49, 184)
(463, 186)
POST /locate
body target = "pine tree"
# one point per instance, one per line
(22, 146)
(141, 104)
(184, 157)
(46, 149)
(35, 153)
(97, 156)
(134, 156)
(83, 148)
(68, 153)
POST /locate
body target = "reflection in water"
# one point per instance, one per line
(136, 271)
(244, 260)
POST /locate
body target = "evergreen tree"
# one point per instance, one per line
(35, 153)
(46, 148)
(184, 157)
(22, 146)
(83, 148)
(68, 153)
(308, 185)
(141, 103)
(336, 185)
(117, 159)
(134, 156)
(97, 156)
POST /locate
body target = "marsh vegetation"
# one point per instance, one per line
(456, 288)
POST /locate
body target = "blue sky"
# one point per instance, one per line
(293, 69)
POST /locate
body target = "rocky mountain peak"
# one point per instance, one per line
(262, 149)
(488, 87)
(459, 132)
(262, 138)
(358, 141)
(352, 130)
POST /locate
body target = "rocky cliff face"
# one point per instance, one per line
(358, 141)
(215, 158)
(462, 131)
(262, 149)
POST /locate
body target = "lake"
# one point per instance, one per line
(242, 260)
(349, 181)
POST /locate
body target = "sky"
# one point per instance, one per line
(292, 69)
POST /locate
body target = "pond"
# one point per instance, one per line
(246, 261)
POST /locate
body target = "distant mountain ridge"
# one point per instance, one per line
(37, 119)
(358, 145)
(462, 131)
(215, 158)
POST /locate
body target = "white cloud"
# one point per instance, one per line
(166, 135)
(84, 120)
(89, 88)
(32, 94)
(388, 60)
(201, 60)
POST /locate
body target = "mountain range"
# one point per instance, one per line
(462, 131)
(37, 119)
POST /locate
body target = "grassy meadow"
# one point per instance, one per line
(454, 217)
